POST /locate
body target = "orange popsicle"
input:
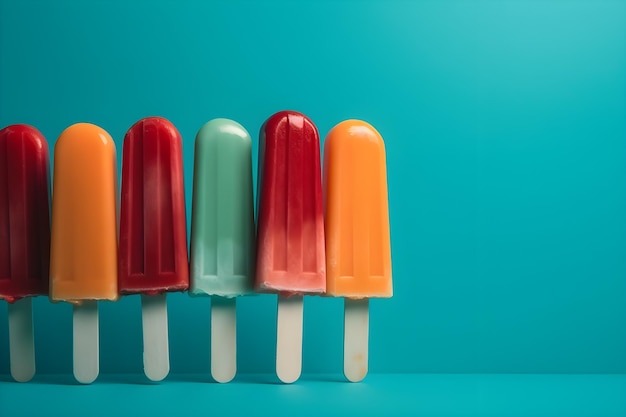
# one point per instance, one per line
(83, 253)
(358, 248)
(83, 261)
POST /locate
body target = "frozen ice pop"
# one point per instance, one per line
(153, 231)
(24, 237)
(358, 249)
(290, 255)
(83, 253)
(222, 233)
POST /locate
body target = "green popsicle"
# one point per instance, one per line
(222, 233)
(222, 225)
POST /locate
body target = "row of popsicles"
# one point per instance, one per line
(309, 239)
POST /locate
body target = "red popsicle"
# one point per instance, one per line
(290, 250)
(153, 231)
(24, 213)
(291, 253)
(24, 237)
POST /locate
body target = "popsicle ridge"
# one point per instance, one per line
(222, 233)
(291, 258)
(83, 257)
(153, 233)
(358, 247)
(24, 213)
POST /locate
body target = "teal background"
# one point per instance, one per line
(505, 128)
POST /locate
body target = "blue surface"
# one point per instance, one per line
(505, 125)
(327, 395)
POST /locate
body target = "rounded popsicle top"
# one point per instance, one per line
(29, 136)
(84, 138)
(157, 127)
(220, 129)
(355, 130)
(24, 213)
(289, 119)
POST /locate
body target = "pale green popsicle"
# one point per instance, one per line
(222, 226)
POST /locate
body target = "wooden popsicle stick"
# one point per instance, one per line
(21, 341)
(223, 338)
(289, 338)
(156, 355)
(355, 342)
(86, 342)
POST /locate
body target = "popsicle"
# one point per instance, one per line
(24, 237)
(83, 253)
(290, 254)
(222, 233)
(153, 231)
(358, 249)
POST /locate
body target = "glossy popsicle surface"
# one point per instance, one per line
(358, 249)
(290, 255)
(83, 258)
(153, 232)
(24, 213)
(222, 229)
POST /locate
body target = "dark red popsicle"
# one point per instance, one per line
(24, 213)
(153, 232)
(290, 258)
